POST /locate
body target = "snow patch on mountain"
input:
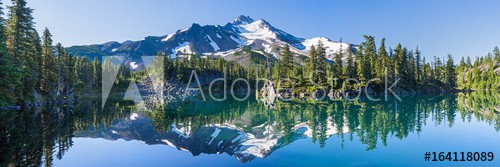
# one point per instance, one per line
(168, 37)
(331, 47)
(214, 45)
(240, 137)
(183, 48)
(267, 47)
(238, 41)
(331, 128)
(225, 53)
(214, 135)
(168, 143)
(184, 131)
(133, 65)
(256, 30)
(258, 147)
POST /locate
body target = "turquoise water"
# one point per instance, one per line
(251, 133)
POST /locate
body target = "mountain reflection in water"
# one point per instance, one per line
(244, 130)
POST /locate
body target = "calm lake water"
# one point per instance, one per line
(251, 133)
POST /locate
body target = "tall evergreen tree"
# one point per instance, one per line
(60, 68)
(36, 54)
(169, 65)
(468, 62)
(400, 62)
(96, 73)
(370, 55)
(337, 66)
(418, 64)
(22, 47)
(462, 63)
(287, 57)
(11, 77)
(411, 68)
(350, 69)
(384, 59)
(363, 67)
(496, 53)
(320, 62)
(424, 72)
(48, 78)
(438, 65)
(84, 73)
(311, 62)
(451, 75)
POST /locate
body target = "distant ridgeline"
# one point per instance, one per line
(34, 71)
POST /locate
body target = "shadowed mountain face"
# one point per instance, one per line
(214, 41)
(258, 141)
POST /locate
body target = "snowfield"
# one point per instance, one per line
(183, 48)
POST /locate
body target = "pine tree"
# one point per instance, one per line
(462, 63)
(418, 64)
(67, 69)
(287, 57)
(48, 65)
(8, 71)
(411, 68)
(168, 67)
(36, 54)
(400, 62)
(60, 68)
(350, 70)
(320, 63)
(406, 65)
(179, 69)
(370, 55)
(311, 63)
(468, 62)
(96, 73)
(337, 66)
(384, 59)
(451, 75)
(496, 53)
(363, 70)
(424, 76)
(71, 73)
(22, 46)
(84, 73)
(438, 69)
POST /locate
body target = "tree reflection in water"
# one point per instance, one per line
(35, 136)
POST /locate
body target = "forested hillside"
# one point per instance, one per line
(33, 69)
(484, 73)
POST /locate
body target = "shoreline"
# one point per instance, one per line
(283, 97)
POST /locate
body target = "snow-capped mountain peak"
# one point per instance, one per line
(256, 30)
(214, 41)
(242, 19)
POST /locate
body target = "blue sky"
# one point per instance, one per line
(461, 28)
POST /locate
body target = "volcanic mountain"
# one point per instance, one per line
(244, 35)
